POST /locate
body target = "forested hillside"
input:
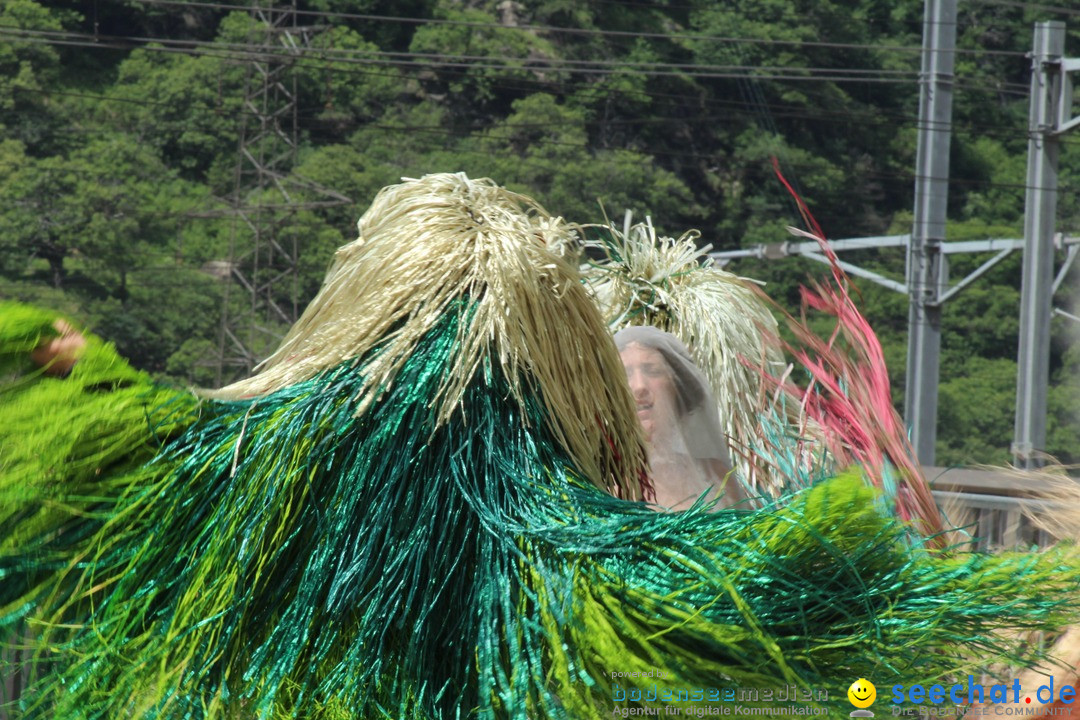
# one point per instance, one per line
(121, 172)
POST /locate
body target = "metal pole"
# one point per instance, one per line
(924, 272)
(1040, 207)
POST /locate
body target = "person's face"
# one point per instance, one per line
(652, 385)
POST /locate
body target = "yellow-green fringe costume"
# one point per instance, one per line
(69, 446)
(411, 513)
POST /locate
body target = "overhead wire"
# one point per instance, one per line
(328, 63)
(787, 111)
(738, 78)
(100, 38)
(597, 32)
(511, 126)
(763, 167)
(253, 52)
(778, 109)
(1056, 9)
(465, 62)
(330, 66)
(446, 60)
(542, 63)
(245, 56)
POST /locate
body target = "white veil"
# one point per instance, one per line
(697, 435)
(698, 418)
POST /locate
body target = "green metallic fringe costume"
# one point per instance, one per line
(425, 506)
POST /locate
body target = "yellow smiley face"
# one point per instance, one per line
(862, 693)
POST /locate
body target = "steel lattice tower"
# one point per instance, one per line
(261, 298)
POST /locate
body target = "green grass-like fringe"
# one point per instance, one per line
(284, 558)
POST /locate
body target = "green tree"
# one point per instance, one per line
(117, 165)
(188, 108)
(97, 209)
(343, 83)
(976, 408)
(29, 69)
(478, 89)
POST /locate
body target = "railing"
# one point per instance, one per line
(996, 507)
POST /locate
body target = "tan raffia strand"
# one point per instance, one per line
(673, 285)
(428, 242)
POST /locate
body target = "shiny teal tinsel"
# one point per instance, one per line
(285, 558)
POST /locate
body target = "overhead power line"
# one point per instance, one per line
(777, 110)
(595, 32)
(241, 52)
(792, 111)
(1056, 9)
(318, 61)
(315, 62)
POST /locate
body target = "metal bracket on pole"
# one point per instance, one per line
(1065, 122)
(926, 273)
